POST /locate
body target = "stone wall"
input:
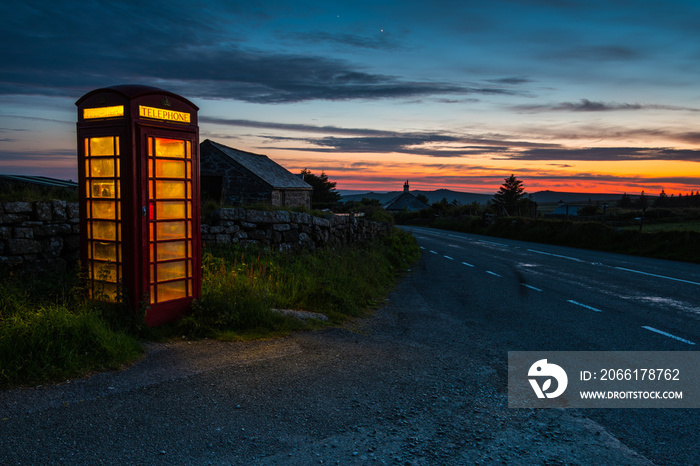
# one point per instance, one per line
(40, 235)
(288, 230)
(44, 235)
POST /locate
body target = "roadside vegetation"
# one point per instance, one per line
(665, 227)
(50, 330)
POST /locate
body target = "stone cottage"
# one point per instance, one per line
(235, 177)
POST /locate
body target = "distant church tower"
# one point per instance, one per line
(405, 186)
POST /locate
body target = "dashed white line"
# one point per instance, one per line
(494, 273)
(467, 264)
(530, 286)
(493, 242)
(583, 305)
(448, 257)
(658, 276)
(433, 251)
(555, 255)
(667, 334)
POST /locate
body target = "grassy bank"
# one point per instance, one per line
(50, 332)
(661, 244)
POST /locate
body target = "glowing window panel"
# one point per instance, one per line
(105, 230)
(108, 210)
(105, 271)
(103, 112)
(173, 148)
(102, 167)
(172, 290)
(170, 189)
(102, 146)
(170, 209)
(105, 251)
(170, 230)
(170, 169)
(171, 250)
(104, 189)
(171, 270)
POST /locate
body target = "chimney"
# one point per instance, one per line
(405, 186)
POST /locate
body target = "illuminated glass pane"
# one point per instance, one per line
(105, 251)
(116, 141)
(170, 230)
(102, 146)
(151, 256)
(189, 149)
(165, 210)
(102, 188)
(171, 270)
(104, 209)
(172, 290)
(153, 294)
(189, 190)
(106, 290)
(189, 170)
(172, 250)
(102, 167)
(104, 230)
(170, 189)
(170, 148)
(105, 271)
(170, 169)
(150, 168)
(189, 210)
(150, 190)
(89, 248)
(189, 229)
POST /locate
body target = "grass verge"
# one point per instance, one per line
(50, 332)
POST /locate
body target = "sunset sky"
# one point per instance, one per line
(568, 95)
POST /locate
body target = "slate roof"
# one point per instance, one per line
(260, 165)
(40, 180)
(405, 201)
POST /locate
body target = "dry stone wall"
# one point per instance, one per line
(39, 235)
(288, 230)
(44, 235)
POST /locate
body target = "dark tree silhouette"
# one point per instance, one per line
(508, 196)
(324, 195)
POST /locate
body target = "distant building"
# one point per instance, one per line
(565, 210)
(405, 201)
(235, 177)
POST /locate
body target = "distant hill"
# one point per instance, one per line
(541, 197)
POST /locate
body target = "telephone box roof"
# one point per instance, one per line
(131, 91)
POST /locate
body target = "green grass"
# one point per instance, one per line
(45, 335)
(50, 332)
(690, 225)
(240, 286)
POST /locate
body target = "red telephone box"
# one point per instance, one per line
(138, 171)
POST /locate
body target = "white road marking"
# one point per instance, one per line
(668, 334)
(448, 257)
(555, 255)
(467, 264)
(422, 247)
(530, 286)
(658, 276)
(433, 251)
(583, 305)
(493, 242)
(493, 273)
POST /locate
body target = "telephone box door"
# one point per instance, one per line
(171, 219)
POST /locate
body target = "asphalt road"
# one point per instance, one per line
(422, 382)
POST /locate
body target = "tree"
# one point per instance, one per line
(423, 198)
(662, 200)
(324, 195)
(509, 195)
(625, 201)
